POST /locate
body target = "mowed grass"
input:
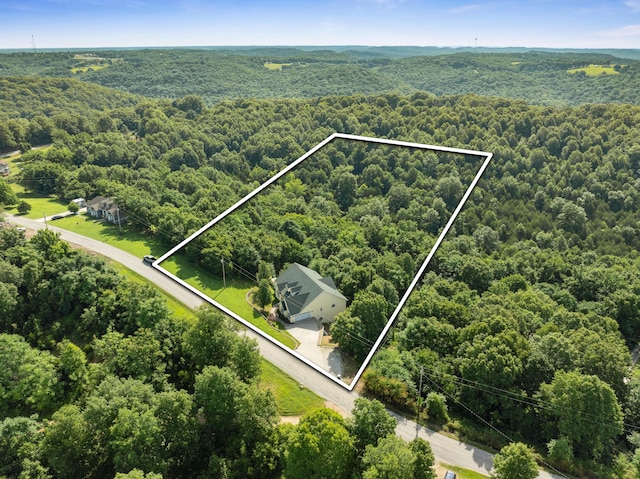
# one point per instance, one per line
(292, 399)
(464, 473)
(233, 296)
(40, 205)
(595, 70)
(125, 237)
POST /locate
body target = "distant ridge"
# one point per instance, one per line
(362, 51)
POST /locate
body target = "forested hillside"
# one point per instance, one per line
(539, 77)
(524, 322)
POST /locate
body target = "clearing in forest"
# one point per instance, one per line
(359, 217)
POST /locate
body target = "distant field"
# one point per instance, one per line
(87, 68)
(595, 70)
(276, 66)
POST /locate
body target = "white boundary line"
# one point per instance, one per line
(276, 177)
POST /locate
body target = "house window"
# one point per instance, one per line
(320, 309)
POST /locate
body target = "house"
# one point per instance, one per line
(303, 294)
(4, 168)
(106, 208)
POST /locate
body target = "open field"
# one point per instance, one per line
(595, 70)
(85, 69)
(40, 205)
(276, 66)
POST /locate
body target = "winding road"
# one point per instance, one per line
(445, 449)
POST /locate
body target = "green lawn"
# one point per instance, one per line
(125, 238)
(292, 399)
(233, 296)
(40, 205)
(465, 473)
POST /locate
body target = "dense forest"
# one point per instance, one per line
(523, 324)
(112, 383)
(538, 77)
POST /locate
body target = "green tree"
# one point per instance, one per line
(576, 399)
(210, 340)
(73, 207)
(16, 435)
(515, 461)
(390, 458)
(7, 196)
(264, 295)
(24, 207)
(67, 445)
(319, 447)
(28, 378)
(369, 422)
(424, 459)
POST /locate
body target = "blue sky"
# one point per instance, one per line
(494, 23)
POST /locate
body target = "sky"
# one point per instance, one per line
(482, 23)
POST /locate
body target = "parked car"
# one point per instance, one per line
(450, 475)
(56, 217)
(149, 258)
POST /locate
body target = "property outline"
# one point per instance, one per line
(283, 172)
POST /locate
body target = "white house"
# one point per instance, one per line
(303, 294)
(106, 208)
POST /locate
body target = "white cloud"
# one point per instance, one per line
(466, 8)
(626, 31)
(633, 5)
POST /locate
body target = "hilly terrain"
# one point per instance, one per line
(522, 328)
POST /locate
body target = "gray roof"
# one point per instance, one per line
(300, 286)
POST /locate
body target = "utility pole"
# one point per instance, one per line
(224, 279)
(419, 402)
(33, 44)
(46, 226)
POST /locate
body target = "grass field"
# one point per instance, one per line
(276, 66)
(87, 68)
(292, 399)
(595, 70)
(40, 205)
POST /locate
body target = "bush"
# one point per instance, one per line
(24, 207)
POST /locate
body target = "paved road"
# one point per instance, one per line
(445, 449)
